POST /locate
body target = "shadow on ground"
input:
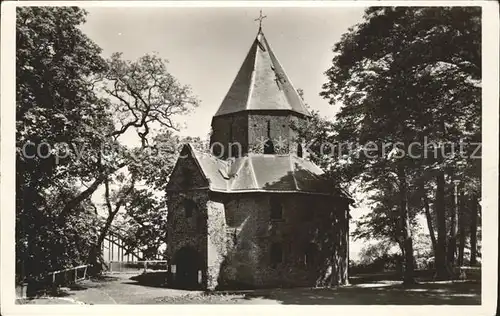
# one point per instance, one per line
(380, 293)
(364, 290)
(155, 279)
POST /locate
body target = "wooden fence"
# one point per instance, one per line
(137, 266)
(68, 276)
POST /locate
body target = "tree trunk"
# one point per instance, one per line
(87, 193)
(96, 249)
(400, 261)
(428, 217)
(408, 276)
(473, 231)
(461, 223)
(452, 241)
(441, 270)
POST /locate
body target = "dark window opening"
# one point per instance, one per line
(216, 149)
(269, 147)
(276, 254)
(276, 209)
(310, 255)
(299, 150)
(235, 150)
(189, 206)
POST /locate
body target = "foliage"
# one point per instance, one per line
(406, 75)
(145, 217)
(79, 105)
(143, 93)
(377, 257)
(51, 245)
(144, 224)
(54, 105)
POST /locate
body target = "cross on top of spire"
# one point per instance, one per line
(260, 18)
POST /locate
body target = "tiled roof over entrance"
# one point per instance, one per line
(263, 173)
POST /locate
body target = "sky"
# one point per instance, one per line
(205, 48)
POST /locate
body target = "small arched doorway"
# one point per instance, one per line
(299, 150)
(188, 264)
(269, 147)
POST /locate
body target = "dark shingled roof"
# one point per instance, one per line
(261, 84)
(259, 172)
(213, 169)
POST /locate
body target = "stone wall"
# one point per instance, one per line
(216, 240)
(251, 232)
(250, 128)
(334, 255)
(280, 128)
(188, 231)
(227, 130)
(233, 235)
(186, 169)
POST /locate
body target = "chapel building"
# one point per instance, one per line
(255, 212)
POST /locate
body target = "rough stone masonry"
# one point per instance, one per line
(255, 212)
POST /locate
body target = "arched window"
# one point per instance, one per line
(217, 149)
(235, 150)
(189, 206)
(310, 253)
(269, 147)
(276, 254)
(276, 208)
(299, 150)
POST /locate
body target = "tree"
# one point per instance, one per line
(72, 107)
(145, 97)
(145, 214)
(114, 203)
(54, 106)
(145, 223)
(138, 201)
(142, 96)
(406, 74)
(383, 222)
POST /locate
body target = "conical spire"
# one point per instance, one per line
(261, 84)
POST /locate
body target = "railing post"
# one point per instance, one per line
(112, 247)
(53, 286)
